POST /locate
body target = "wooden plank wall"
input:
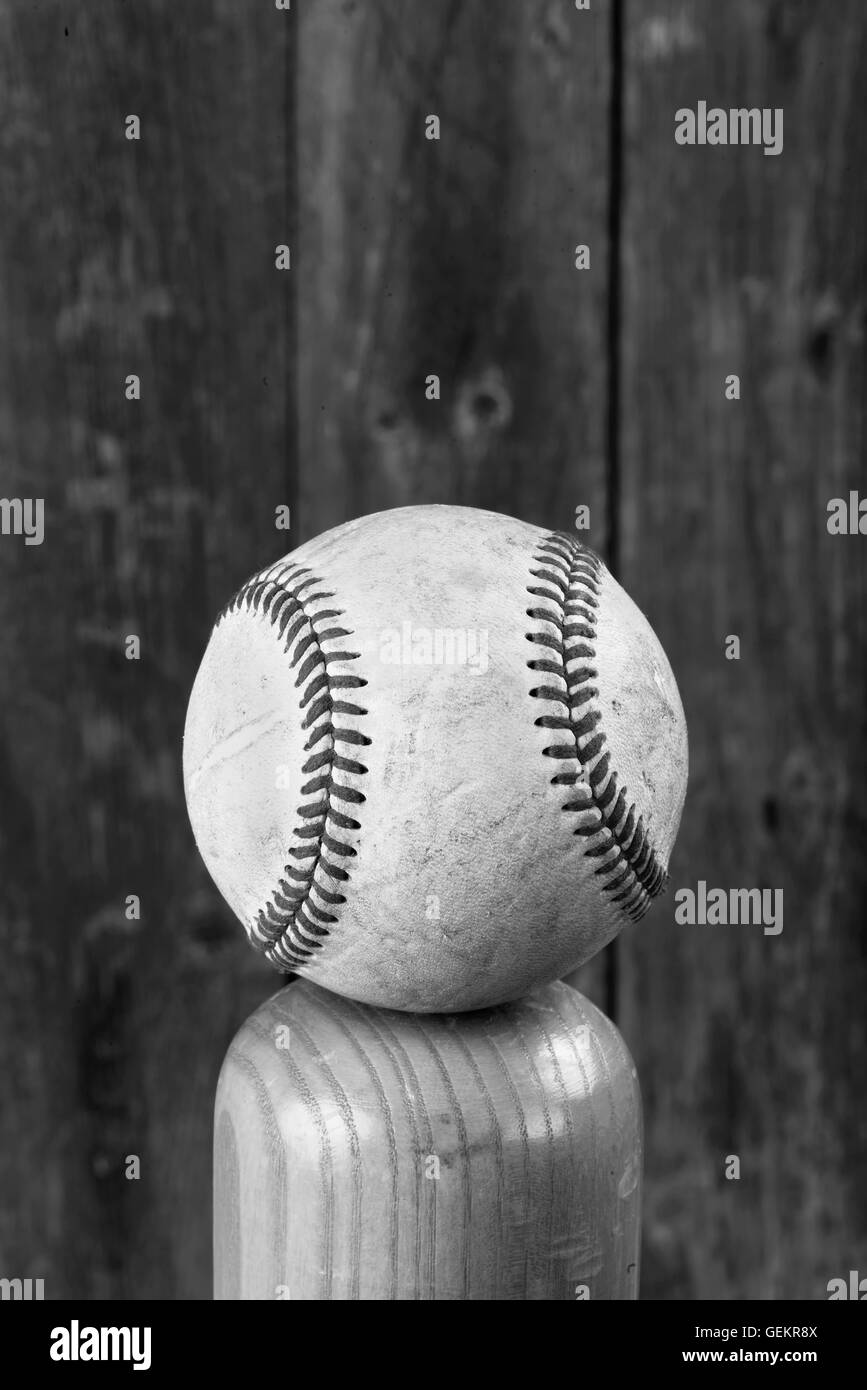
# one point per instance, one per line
(454, 257)
(559, 387)
(153, 258)
(749, 1044)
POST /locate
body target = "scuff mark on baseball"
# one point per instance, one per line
(434, 758)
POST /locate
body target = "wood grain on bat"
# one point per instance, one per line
(362, 1153)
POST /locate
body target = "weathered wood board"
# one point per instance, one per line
(751, 1044)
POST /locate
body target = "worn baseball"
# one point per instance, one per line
(435, 757)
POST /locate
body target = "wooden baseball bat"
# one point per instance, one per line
(362, 1153)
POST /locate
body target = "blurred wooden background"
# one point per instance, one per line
(559, 387)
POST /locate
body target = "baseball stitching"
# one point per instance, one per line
(569, 575)
(293, 925)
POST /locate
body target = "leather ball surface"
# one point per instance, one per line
(434, 758)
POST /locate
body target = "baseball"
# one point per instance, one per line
(434, 758)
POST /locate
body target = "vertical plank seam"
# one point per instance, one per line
(291, 218)
(292, 193)
(612, 350)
